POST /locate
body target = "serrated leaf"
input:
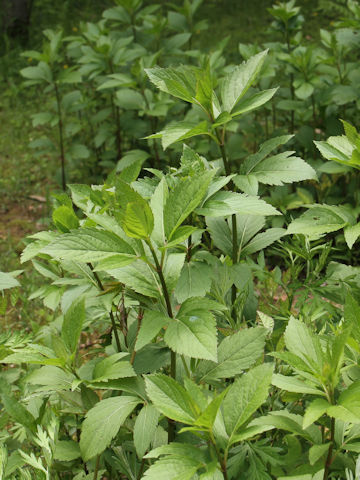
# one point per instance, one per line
(87, 245)
(102, 423)
(282, 168)
(317, 451)
(72, 324)
(254, 101)
(66, 450)
(170, 398)
(237, 82)
(194, 281)
(224, 204)
(245, 396)
(138, 221)
(293, 384)
(351, 234)
(65, 219)
(112, 367)
(236, 353)
(173, 468)
(314, 411)
(177, 81)
(193, 335)
(7, 280)
(144, 429)
(183, 200)
(18, 412)
(151, 325)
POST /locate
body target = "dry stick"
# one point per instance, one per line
(113, 323)
(61, 137)
(159, 271)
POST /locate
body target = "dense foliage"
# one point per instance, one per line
(205, 302)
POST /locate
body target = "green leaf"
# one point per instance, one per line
(65, 219)
(254, 101)
(50, 378)
(72, 324)
(208, 416)
(170, 398)
(317, 451)
(111, 368)
(177, 81)
(151, 325)
(66, 450)
(351, 234)
(224, 204)
(138, 221)
(245, 396)
(88, 245)
(263, 240)
(180, 235)
(282, 168)
(293, 384)
(157, 204)
(173, 468)
(183, 200)
(237, 82)
(102, 423)
(7, 280)
(194, 281)
(303, 343)
(144, 429)
(179, 131)
(18, 412)
(193, 335)
(236, 353)
(314, 411)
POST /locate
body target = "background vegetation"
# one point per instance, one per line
(187, 305)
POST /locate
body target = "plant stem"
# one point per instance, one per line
(329, 458)
(61, 137)
(96, 471)
(159, 271)
(139, 319)
(222, 460)
(113, 323)
(233, 220)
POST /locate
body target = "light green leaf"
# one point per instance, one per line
(303, 343)
(173, 468)
(237, 82)
(18, 412)
(183, 200)
(111, 368)
(157, 204)
(67, 450)
(236, 353)
(102, 423)
(314, 411)
(72, 324)
(263, 240)
(138, 221)
(177, 81)
(245, 396)
(254, 101)
(7, 280)
(65, 219)
(282, 168)
(170, 398)
(87, 245)
(195, 280)
(317, 451)
(352, 233)
(293, 384)
(224, 204)
(144, 429)
(151, 325)
(193, 335)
